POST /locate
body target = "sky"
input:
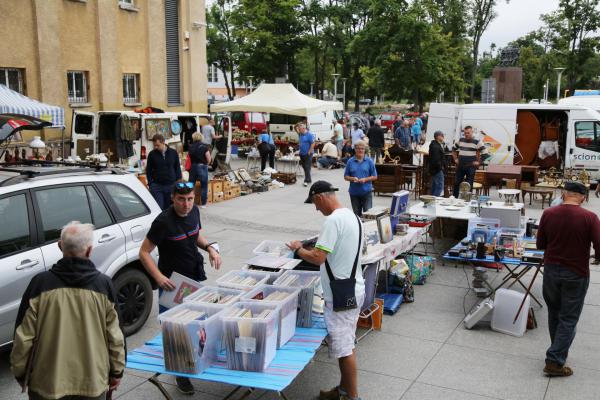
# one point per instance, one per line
(514, 20)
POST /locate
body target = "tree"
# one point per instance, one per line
(481, 13)
(222, 46)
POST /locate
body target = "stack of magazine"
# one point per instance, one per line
(216, 298)
(183, 342)
(249, 337)
(241, 280)
(306, 281)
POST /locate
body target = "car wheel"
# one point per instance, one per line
(134, 298)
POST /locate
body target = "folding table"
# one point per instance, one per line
(289, 361)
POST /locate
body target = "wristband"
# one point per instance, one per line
(214, 245)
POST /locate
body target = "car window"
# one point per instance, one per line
(587, 135)
(60, 205)
(128, 203)
(14, 220)
(100, 214)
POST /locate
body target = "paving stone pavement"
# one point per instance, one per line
(423, 352)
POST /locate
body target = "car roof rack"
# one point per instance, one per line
(28, 169)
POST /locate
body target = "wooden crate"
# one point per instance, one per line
(285, 177)
(218, 197)
(216, 185)
(233, 192)
(209, 194)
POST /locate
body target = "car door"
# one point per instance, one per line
(59, 205)
(20, 258)
(83, 134)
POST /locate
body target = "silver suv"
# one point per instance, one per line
(37, 201)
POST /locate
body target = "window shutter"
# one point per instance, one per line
(172, 42)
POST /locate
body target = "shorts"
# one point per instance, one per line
(341, 329)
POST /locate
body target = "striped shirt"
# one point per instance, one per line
(467, 150)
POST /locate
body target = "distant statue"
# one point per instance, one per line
(509, 57)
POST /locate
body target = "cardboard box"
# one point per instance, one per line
(216, 186)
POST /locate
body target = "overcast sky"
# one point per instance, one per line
(514, 20)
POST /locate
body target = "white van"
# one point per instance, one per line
(514, 133)
(591, 101)
(319, 124)
(100, 132)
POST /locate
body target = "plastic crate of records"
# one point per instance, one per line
(307, 282)
(272, 247)
(273, 274)
(191, 335)
(220, 296)
(242, 280)
(287, 299)
(250, 335)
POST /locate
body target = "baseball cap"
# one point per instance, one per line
(319, 187)
(576, 187)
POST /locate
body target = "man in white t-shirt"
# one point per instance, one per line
(338, 136)
(340, 244)
(356, 134)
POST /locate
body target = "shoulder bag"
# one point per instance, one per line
(343, 290)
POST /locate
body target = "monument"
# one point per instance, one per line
(508, 76)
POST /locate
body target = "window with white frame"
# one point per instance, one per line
(131, 88)
(13, 79)
(212, 73)
(77, 86)
(127, 2)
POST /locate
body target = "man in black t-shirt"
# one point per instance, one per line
(176, 232)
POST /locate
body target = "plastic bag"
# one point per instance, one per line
(420, 268)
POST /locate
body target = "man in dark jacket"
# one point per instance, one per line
(376, 140)
(162, 171)
(437, 152)
(67, 336)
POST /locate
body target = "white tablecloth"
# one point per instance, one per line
(390, 250)
(463, 213)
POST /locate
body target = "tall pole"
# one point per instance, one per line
(559, 70)
(335, 78)
(311, 88)
(344, 98)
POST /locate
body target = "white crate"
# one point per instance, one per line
(307, 282)
(236, 293)
(260, 277)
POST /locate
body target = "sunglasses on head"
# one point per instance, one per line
(183, 185)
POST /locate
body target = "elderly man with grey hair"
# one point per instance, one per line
(68, 342)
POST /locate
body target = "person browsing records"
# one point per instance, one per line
(176, 233)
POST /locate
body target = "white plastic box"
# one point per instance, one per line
(288, 308)
(273, 275)
(260, 277)
(506, 305)
(201, 339)
(273, 247)
(479, 313)
(236, 293)
(307, 287)
(250, 343)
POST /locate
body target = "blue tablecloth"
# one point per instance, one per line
(289, 361)
(490, 259)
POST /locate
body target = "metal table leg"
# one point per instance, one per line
(153, 380)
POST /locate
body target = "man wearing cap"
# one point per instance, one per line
(339, 247)
(566, 233)
(437, 158)
(176, 233)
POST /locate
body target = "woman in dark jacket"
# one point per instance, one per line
(200, 156)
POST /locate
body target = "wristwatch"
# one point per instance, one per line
(214, 245)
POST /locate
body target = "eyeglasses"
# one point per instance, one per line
(183, 185)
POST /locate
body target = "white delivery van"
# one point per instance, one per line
(319, 124)
(590, 101)
(515, 133)
(100, 132)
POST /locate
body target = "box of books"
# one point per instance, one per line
(273, 247)
(242, 280)
(287, 299)
(191, 335)
(273, 273)
(223, 297)
(307, 282)
(250, 335)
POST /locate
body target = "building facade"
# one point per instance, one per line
(92, 55)
(217, 90)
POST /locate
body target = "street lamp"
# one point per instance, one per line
(335, 78)
(344, 98)
(559, 71)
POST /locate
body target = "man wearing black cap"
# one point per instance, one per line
(566, 233)
(339, 247)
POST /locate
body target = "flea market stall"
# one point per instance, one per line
(12, 102)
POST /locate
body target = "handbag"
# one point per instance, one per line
(188, 163)
(343, 290)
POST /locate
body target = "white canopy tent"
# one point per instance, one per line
(278, 98)
(16, 103)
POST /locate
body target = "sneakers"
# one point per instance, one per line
(184, 385)
(305, 184)
(553, 369)
(202, 206)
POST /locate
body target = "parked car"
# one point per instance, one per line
(387, 119)
(37, 201)
(254, 122)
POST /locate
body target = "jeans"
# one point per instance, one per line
(306, 162)
(270, 155)
(361, 203)
(466, 172)
(564, 292)
(162, 194)
(200, 172)
(325, 162)
(437, 183)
